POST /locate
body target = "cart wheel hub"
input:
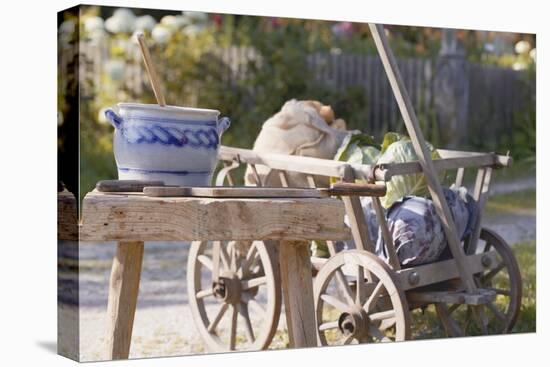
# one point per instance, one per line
(354, 322)
(227, 289)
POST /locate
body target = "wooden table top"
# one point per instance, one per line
(136, 217)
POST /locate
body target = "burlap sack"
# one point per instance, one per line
(297, 129)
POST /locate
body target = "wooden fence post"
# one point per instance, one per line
(451, 91)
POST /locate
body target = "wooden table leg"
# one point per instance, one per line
(123, 292)
(297, 287)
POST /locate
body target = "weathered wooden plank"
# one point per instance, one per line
(125, 185)
(408, 168)
(459, 177)
(256, 176)
(356, 217)
(234, 192)
(481, 194)
(297, 285)
(499, 160)
(108, 217)
(123, 292)
(67, 216)
(226, 172)
(284, 178)
(422, 275)
(358, 224)
(386, 235)
(483, 296)
(284, 162)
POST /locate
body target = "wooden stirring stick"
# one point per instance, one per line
(153, 77)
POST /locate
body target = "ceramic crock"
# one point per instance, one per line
(177, 145)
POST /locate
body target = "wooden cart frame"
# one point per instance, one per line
(458, 281)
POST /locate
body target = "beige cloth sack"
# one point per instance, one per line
(297, 129)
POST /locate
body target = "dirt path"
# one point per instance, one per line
(163, 322)
(518, 226)
(514, 228)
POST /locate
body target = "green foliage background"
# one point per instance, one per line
(194, 74)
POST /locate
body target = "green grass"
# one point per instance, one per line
(515, 202)
(425, 325)
(526, 256)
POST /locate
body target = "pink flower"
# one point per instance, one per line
(342, 29)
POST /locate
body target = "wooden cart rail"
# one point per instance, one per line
(450, 159)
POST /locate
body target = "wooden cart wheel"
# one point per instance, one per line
(234, 294)
(357, 300)
(499, 316)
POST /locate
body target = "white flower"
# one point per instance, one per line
(125, 14)
(67, 27)
(97, 36)
(518, 66)
(145, 23)
(195, 16)
(533, 54)
(193, 30)
(182, 21)
(522, 47)
(122, 21)
(168, 21)
(114, 25)
(115, 69)
(161, 34)
(174, 22)
(93, 23)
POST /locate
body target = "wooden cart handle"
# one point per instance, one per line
(357, 189)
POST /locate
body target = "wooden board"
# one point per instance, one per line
(338, 189)
(125, 185)
(483, 296)
(443, 270)
(109, 217)
(67, 216)
(233, 192)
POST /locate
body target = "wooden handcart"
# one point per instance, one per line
(359, 297)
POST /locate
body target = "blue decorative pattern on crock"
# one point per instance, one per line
(180, 137)
(153, 171)
(167, 119)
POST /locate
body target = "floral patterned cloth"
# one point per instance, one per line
(416, 229)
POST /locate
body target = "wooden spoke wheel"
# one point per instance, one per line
(357, 300)
(503, 277)
(234, 294)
